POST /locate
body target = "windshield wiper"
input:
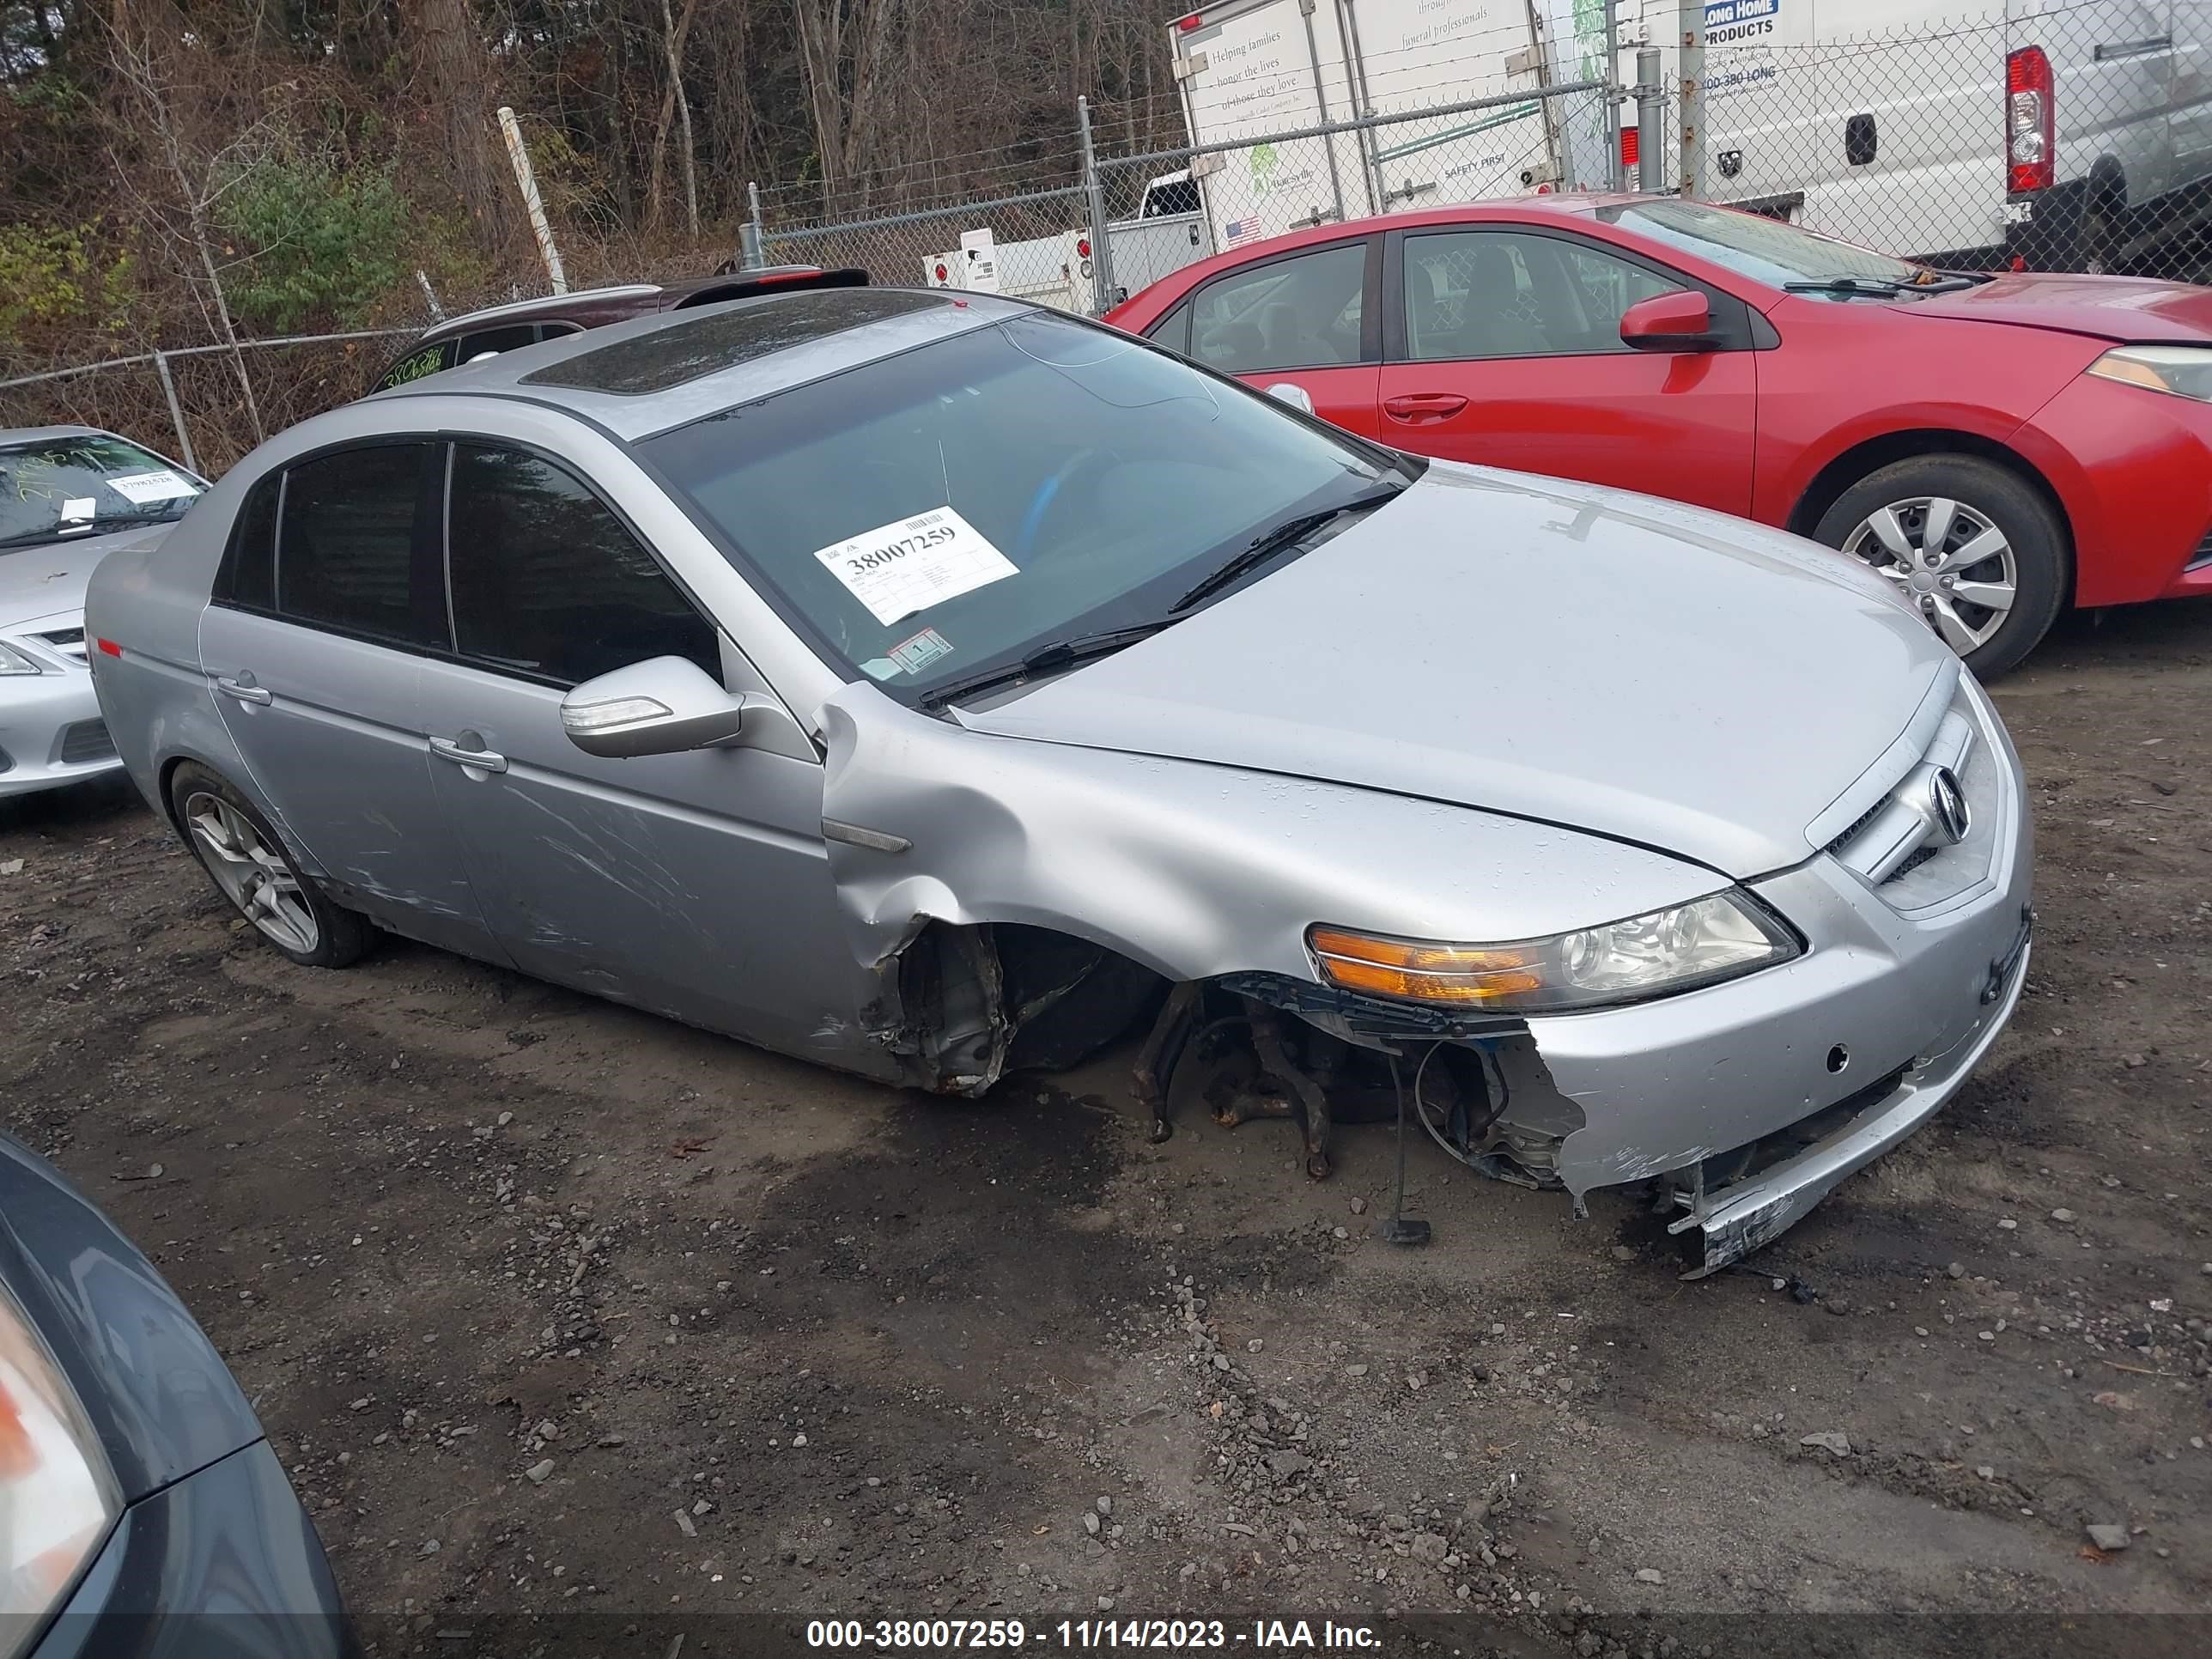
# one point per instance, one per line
(1881, 287)
(1286, 534)
(1047, 659)
(77, 530)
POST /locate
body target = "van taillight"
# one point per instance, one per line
(2029, 138)
(1630, 145)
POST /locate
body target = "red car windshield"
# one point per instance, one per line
(1766, 250)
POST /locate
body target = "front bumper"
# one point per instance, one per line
(1751, 1100)
(223, 1561)
(50, 730)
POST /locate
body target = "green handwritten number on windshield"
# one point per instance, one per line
(422, 363)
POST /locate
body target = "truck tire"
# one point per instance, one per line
(2000, 567)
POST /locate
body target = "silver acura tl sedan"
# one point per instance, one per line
(69, 495)
(934, 686)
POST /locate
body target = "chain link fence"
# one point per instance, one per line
(1132, 219)
(189, 402)
(2054, 135)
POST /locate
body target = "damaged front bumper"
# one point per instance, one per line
(1737, 1219)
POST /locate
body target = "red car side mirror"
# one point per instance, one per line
(1680, 321)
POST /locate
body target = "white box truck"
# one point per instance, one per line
(1250, 69)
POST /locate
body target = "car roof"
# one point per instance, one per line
(1551, 206)
(664, 370)
(596, 307)
(40, 435)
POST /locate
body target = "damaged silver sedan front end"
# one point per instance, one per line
(1069, 693)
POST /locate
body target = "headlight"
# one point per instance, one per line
(2183, 371)
(57, 1496)
(1648, 956)
(13, 661)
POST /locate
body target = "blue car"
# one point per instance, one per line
(142, 1511)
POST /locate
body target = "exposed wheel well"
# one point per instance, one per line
(168, 800)
(1856, 463)
(977, 1001)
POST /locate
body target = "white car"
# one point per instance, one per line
(69, 495)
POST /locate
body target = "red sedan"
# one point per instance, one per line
(2001, 448)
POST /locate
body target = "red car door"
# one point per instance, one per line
(1309, 318)
(1503, 347)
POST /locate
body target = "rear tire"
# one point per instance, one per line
(2002, 567)
(246, 860)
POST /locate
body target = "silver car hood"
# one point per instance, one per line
(49, 580)
(1557, 652)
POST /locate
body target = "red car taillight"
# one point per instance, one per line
(1631, 143)
(2029, 137)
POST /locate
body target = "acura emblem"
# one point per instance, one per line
(1952, 816)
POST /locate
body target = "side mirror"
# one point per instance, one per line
(1296, 395)
(664, 706)
(1680, 321)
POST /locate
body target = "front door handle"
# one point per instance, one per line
(244, 689)
(1416, 408)
(480, 758)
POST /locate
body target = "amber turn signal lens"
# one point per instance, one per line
(1423, 973)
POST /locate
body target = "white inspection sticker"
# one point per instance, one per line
(141, 488)
(900, 568)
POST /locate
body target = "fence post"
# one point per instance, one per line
(1651, 122)
(176, 410)
(528, 180)
(1102, 251)
(1692, 172)
(753, 235)
(1616, 170)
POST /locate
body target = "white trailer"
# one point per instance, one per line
(1250, 69)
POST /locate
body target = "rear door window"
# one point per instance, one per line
(347, 555)
(548, 582)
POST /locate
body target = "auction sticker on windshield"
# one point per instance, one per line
(897, 570)
(143, 489)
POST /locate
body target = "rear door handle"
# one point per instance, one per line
(1417, 407)
(245, 691)
(482, 759)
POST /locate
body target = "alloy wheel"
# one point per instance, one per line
(252, 873)
(1952, 564)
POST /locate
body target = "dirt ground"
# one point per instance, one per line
(571, 1322)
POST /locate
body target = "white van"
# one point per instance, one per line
(2069, 135)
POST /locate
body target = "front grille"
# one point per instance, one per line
(2202, 556)
(85, 741)
(67, 642)
(1897, 845)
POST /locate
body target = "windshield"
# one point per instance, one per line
(958, 506)
(1766, 250)
(60, 488)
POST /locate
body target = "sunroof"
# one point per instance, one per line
(703, 345)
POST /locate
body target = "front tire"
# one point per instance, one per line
(245, 860)
(1972, 546)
